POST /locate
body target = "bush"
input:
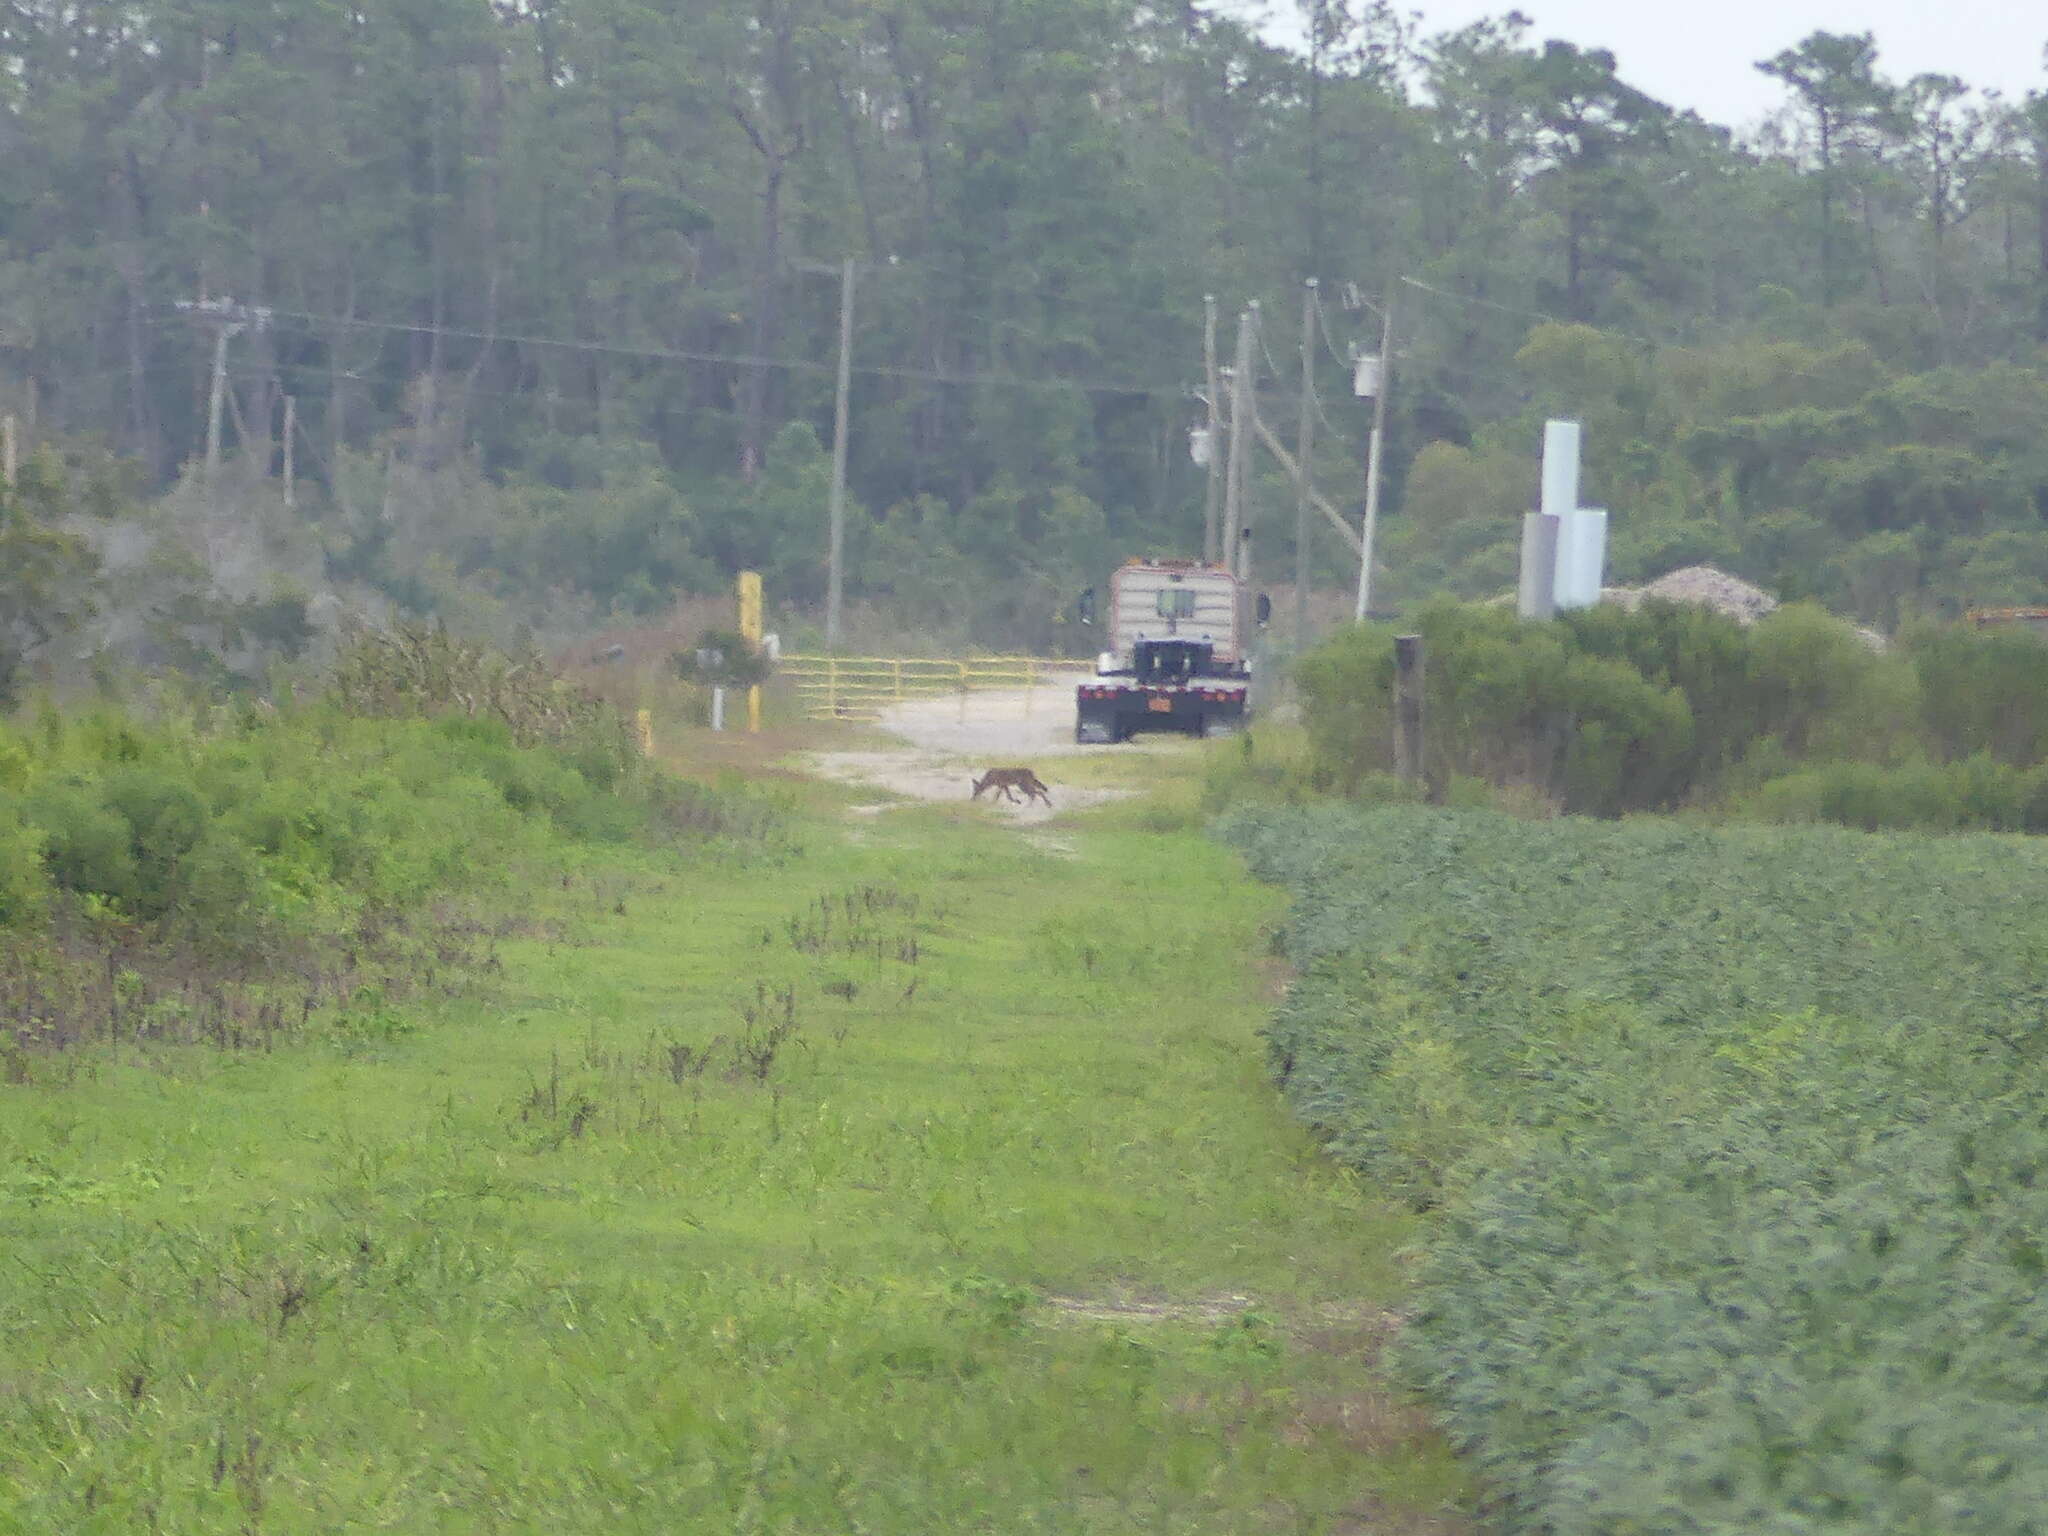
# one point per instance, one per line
(87, 845)
(1509, 702)
(294, 827)
(1607, 712)
(1979, 794)
(24, 894)
(1983, 692)
(166, 819)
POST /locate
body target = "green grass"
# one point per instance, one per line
(1010, 1235)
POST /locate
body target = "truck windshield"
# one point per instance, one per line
(1176, 603)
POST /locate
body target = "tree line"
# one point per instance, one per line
(551, 286)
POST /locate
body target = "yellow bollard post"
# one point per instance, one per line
(750, 631)
(643, 724)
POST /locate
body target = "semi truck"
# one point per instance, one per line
(1178, 653)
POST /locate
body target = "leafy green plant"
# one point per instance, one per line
(1734, 1140)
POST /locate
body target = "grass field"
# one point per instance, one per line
(924, 1179)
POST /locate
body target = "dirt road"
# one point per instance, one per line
(949, 741)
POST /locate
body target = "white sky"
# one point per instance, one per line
(1704, 56)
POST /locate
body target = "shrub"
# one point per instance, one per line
(1607, 712)
(1983, 692)
(166, 819)
(23, 891)
(1509, 702)
(87, 845)
(1978, 794)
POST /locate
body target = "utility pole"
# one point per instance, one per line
(1383, 387)
(228, 319)
(1242, 407)
(291, 429)
(1213, 508)
(835, 538)
(10, 451)
(1304, 442)
(835, 559)
(1410, 756)
(216, 398)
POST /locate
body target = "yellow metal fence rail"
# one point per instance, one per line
(862, 687)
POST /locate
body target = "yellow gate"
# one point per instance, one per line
(861, 687)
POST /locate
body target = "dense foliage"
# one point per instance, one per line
(553, 288)
(291, 856)
(1605, 711)
(1736, 1140)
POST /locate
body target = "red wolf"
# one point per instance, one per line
(1003, 780)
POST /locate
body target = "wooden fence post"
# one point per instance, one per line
(1409, 762)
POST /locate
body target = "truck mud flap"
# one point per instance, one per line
(1097, 726)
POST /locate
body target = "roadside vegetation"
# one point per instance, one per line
(597, 1149)
(1673, 707)
(176, 869)
(1732, 1140)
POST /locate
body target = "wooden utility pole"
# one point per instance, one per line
(228, 319)
(1213, 507)
(216, 399)
(835, 535)
(1372, 452)
(1243, 405)
(836, 540)
(1304, 443)
(1316, 498)
(291, 433)
(1409, 761)
(10, 452)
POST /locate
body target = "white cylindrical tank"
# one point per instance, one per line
(1581, 558)
(1560, 468)
(1536, 598)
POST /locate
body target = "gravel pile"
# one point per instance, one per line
(1703, 584)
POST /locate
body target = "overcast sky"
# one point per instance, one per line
(1704, 56)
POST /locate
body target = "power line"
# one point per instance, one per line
(742, 360)
(1531, 314)
(1271, 366)
(1329, 340)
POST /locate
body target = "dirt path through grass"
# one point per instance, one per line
(948, 742)
(925, 1184)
